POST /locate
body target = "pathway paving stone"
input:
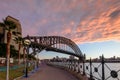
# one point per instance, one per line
(50, 73)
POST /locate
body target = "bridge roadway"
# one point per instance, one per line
(50, 73)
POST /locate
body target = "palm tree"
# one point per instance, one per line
(19, 41)
(24, 54)
(8, 25)
(13, 51)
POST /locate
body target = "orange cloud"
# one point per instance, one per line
(102, 28)
(80, 20)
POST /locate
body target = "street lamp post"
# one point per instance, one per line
(37, 61)
(26, 71)
(27, 43)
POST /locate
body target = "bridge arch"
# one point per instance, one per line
(39, 43)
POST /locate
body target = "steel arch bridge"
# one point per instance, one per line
(54, 43)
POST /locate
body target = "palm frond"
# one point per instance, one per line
(16, 33)
(8, 25)
(16, 40)
(2, 24)
(11, 24)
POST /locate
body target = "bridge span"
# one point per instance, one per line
(54, 43)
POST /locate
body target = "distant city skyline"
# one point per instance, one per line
(108, 49)
(93, 24)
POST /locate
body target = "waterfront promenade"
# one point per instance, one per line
(46, 72)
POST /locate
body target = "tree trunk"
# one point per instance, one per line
(8, 54)
(19, 47)
(24, 54)
(8, 43)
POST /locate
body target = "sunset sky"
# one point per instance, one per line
(94, 25)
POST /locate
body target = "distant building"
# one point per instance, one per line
(57, 57)
(3, 33)
(71, 57)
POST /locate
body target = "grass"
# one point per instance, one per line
(14, 73)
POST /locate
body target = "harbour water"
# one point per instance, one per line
(111, 70)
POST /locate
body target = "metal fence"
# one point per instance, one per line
(94, 70)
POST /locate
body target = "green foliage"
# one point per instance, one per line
(13, 51)
(16, 33)
(31, 57)
(18, 40)
(2, 50)
(2, 24)
(8, 25)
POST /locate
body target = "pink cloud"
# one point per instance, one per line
(96, 24)
(101, 28)
(80, 20)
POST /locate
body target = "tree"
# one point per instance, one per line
(2, 49)
(13, 51)
(24, 55)
(31, 57)
(8, 25)
(19, 41)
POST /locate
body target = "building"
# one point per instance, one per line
(3, 33)
(71, 57)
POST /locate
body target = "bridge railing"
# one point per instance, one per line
(101, 69)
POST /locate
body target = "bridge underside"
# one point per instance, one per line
(38, 48)
(48, 43)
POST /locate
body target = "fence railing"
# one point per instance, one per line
(95, 70)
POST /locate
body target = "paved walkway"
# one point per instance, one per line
(50, 73)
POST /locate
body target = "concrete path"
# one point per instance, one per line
(50, 73)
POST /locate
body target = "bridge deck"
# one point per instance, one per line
(50, 73)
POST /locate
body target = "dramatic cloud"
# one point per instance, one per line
(80, 20)
(105, 26)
